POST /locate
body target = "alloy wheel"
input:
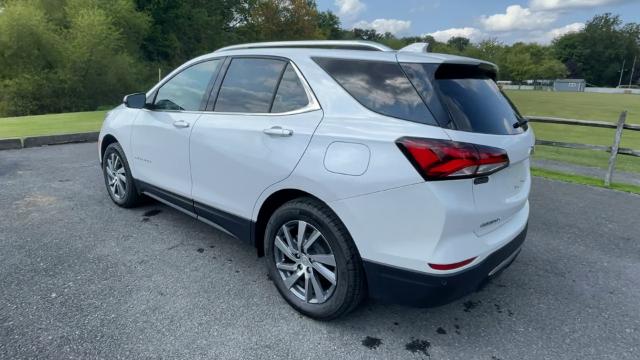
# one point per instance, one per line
(305, 262)
(116, 176)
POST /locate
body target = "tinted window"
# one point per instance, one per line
(186, 90)
(291, 95)
(464, 97)
(379, 86)
(249, 85)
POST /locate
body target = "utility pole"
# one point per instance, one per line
(632, 70)
(621, 72)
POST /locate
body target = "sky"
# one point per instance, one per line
(507, 20)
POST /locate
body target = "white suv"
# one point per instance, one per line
(354, 168)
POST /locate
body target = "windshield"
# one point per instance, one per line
(465, 97)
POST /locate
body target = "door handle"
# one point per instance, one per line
(180, 124)
(278, 131)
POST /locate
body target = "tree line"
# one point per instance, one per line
(74, 55)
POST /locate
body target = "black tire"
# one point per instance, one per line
(350, 287)
(130, 196)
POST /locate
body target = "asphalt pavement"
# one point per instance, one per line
(82, 278)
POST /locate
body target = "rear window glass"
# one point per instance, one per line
(379, 86)
(464, 97)
(291, 94)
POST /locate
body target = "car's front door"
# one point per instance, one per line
(160, 137)
(262, 121)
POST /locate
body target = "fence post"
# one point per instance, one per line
(614, 148)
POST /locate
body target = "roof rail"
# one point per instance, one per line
(331, 44)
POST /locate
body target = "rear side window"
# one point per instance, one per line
(186, 90)
(465, 97)
(379, 86)
(291, 94)
(249, 85)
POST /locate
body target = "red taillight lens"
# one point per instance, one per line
(437, 159)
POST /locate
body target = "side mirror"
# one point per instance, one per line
(135, 101)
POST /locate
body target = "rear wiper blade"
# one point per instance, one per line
(520, 123)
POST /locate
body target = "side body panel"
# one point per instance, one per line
(160, 150)
(118, 123)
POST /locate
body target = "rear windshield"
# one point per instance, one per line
(464, 97)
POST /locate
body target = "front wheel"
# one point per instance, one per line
(117, 177)
(313, 261)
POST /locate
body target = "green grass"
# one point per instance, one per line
(599, 159)
(587, 106)
(584, 180)
(52, 124)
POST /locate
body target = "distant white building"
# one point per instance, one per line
(571, 85)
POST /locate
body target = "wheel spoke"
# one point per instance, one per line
(120, 188)
(284, 248)
(287, 267)
(289, 281)
(326, 259)
(314, 236)
(317, 289)
(326, 273)
(287, 236)
(122, 178)
(307, 287)
(302, 226)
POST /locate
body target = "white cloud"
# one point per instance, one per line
(565, 4)
(382, 26)
(349, 8)
(548, 36)
(468, 32)
(517, 18)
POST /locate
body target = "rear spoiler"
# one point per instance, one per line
(435, 58)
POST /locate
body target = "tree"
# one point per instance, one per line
(329, 25)
(283, 20)
(459, 43)
(70, 57)
(184, 29)
(598, 52)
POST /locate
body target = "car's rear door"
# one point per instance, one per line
(160, 136)
(261, 117)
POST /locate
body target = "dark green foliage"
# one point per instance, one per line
(73, 55)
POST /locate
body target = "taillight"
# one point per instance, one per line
(437, 159)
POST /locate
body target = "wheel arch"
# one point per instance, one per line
(270, 205)
(107, 140)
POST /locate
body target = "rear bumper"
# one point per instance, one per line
(406, 287)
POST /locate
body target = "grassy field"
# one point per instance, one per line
(18, 127)
(588, 106)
